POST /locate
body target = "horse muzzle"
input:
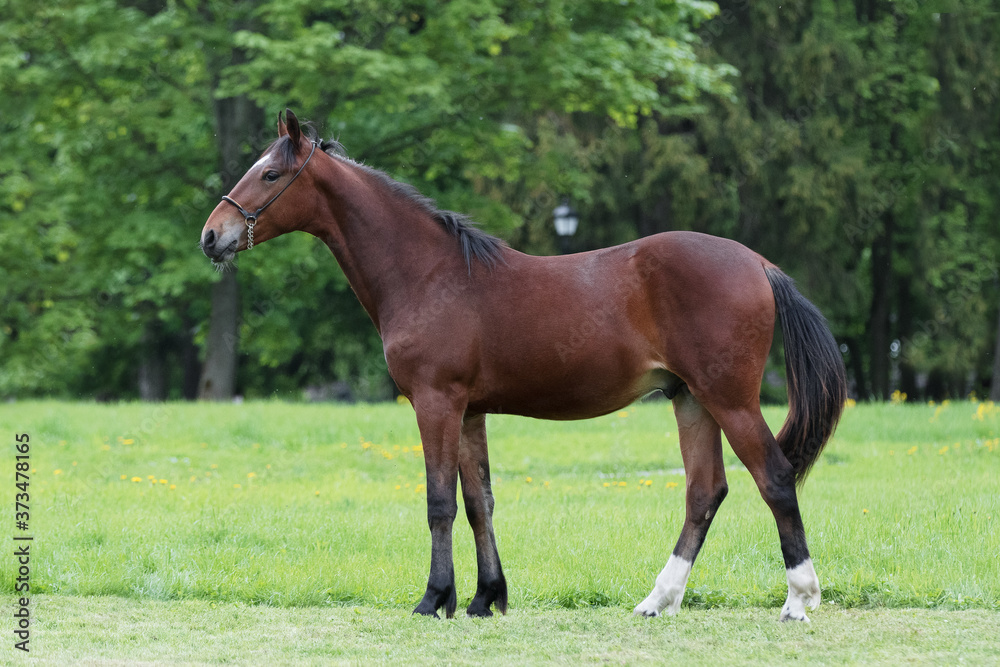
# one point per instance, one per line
(220, 247)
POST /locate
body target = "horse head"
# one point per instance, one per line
(236, 224)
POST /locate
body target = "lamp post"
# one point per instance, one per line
(566, 221)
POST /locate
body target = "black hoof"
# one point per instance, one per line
(434, 600)
(479, 610)
(425, 612)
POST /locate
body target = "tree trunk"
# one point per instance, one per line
(152, 369)
(189, 361)
(240, 124)
(904, 330)
(995, 383)
(879, 321)
(218, 374)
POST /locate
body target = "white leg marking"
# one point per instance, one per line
(803, 591)
(668, 592)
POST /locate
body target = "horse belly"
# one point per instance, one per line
(578, 385)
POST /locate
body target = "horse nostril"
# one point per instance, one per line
(209, 239)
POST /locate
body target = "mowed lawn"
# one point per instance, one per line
(317, 513)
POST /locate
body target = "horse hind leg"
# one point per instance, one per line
(756, 447)
(474, 471)
(701, 450)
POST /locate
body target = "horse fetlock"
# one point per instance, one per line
(489, 594)
(803, 592)
(668, 593)
(437, 597)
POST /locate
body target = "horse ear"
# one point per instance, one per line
(282, 130)
(292, 127)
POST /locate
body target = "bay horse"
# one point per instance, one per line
(470, 326)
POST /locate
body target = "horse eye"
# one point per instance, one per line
(271, 176)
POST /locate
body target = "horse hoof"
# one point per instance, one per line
(426, 612)
(789, 614)
(647, 612)
(478, 613)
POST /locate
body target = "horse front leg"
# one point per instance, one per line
(474, 470)
(439, 419)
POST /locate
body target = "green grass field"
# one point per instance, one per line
(317, 512)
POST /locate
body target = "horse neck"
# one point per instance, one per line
(386, 246)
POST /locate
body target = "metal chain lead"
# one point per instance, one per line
(250, 234)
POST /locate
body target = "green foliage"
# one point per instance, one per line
(109, 162)
(856, 145)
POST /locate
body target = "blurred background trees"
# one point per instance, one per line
(855, 144)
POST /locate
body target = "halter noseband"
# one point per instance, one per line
(251, 218)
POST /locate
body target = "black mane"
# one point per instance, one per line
(476, 244)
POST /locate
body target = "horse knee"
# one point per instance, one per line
(702, 504)
(441, 511)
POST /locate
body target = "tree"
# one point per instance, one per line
(103, 136)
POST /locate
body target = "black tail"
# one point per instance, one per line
(817, 387)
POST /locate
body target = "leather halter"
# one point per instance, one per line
(251, 218)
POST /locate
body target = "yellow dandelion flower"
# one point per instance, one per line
(622, 483)
(892, 452)
(124, 477)
(192, 478)
(546, 485)
(943, 449)
(671, 485)
(649, 482)
(152, 477)
(398, 487)
(173, 486)
(57, 471)
(850, 403)
(864, 511)
(911, 451)
(528, 480)
(622, 414)
(607, 484)
(419, 488)
(268, 466)
(163, 481)
(214, 466)
(128, 441)
(317, 493)
(256, 445)
(137, 479)
(251, 475)
(105, 448)
(237, 486)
